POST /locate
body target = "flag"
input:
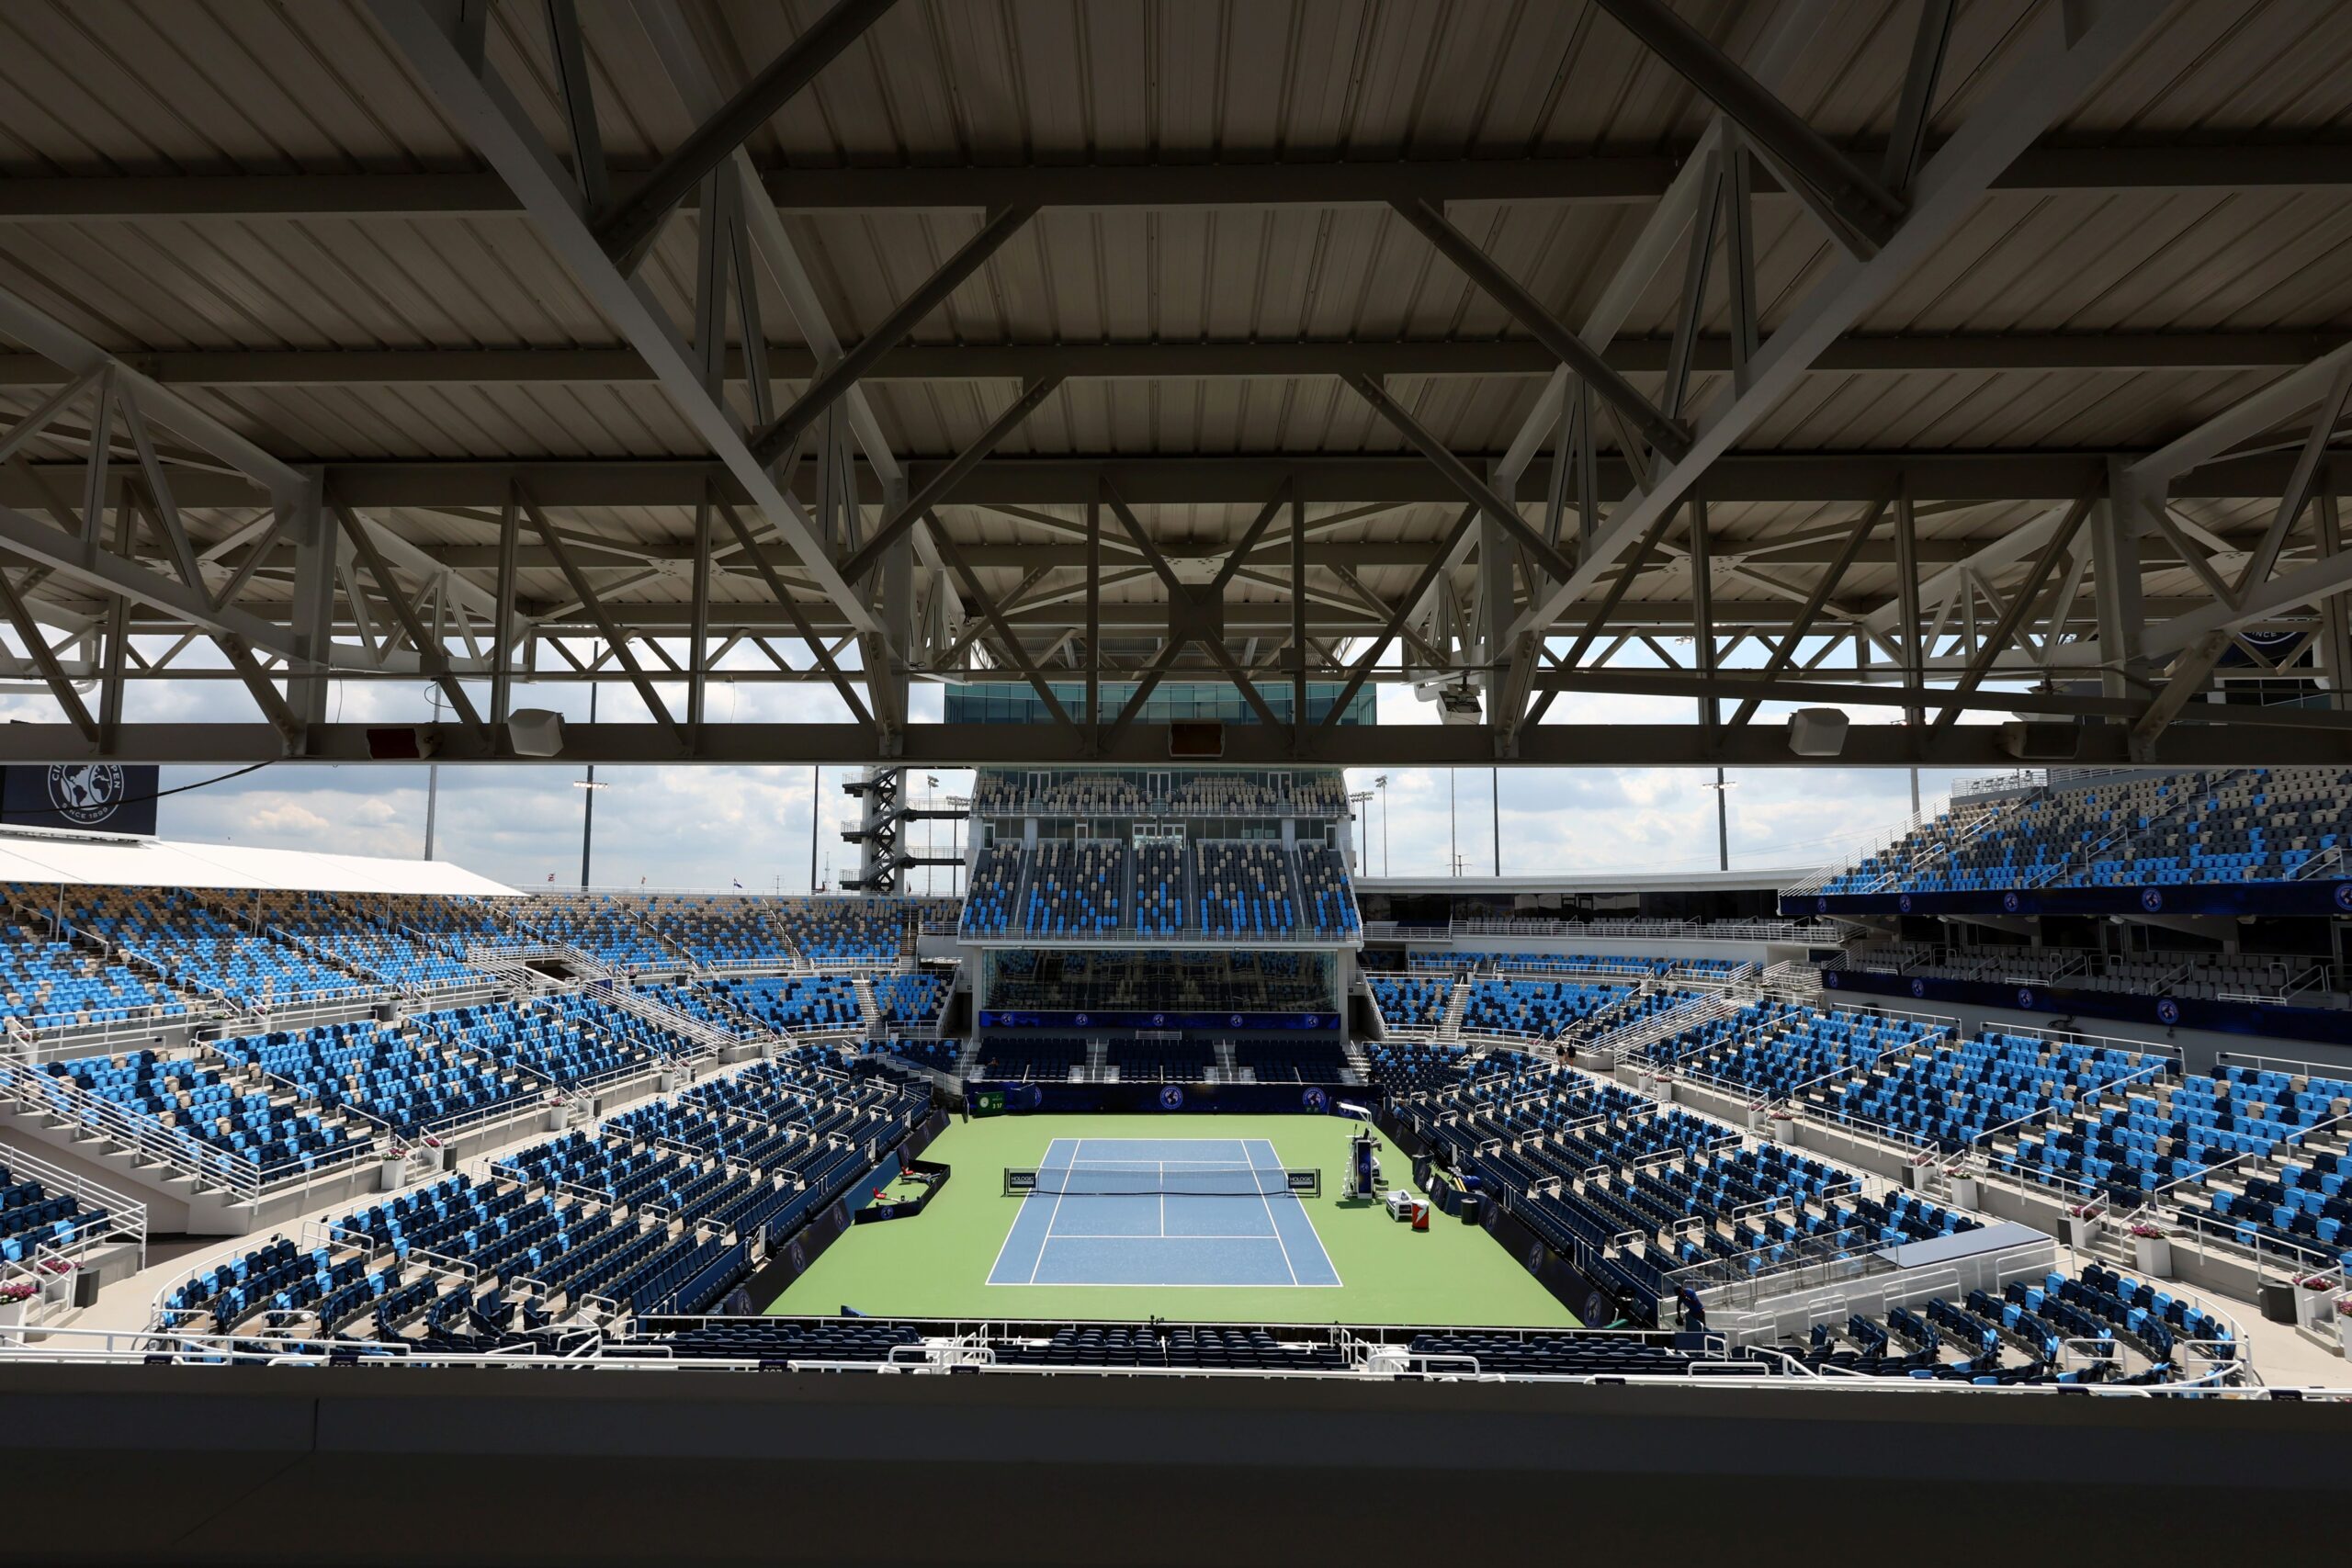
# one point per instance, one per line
(738, 882)
(550, 876)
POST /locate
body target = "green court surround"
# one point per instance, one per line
(937, 1264)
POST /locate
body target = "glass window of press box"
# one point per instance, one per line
(1005, 703)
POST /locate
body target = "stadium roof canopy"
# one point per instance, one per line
(30, 857)
(1876, 355)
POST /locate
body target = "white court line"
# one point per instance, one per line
(1000, 1248)
(1067, 1235)
(1048, 1238)
(1272, 1223)
(1163, 1200)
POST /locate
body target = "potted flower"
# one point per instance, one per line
(2344, 1325)
(2083, 1225)
(15, 1297)
(1967, 1190)
(2318, 1298)
(2152, 1250)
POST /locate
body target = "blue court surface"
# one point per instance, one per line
(1234, 1234)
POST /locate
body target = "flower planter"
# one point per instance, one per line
(2081, 1231)
(393, 1174)
(12, 1314)
(556, 1118)
(2153, 1256)
(2344, 1333)
(2319, 1312)
(1967, 1192)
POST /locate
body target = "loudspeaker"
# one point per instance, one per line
(1817, 732)
(1194, 739)
(2031, 741)
(1458, 705)
(535, 732)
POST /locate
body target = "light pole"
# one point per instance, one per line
(1494, 798)
(816, 812)
(588, 788)
(434, 776)
(1452, 825)
(1380, 783)
(1723, 819)
(1363, 830)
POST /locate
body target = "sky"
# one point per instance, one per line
(716, 827)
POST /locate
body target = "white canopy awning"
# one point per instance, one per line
(30, 855)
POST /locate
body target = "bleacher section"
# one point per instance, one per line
(1244, 890)
(909, 1002)
(200, 950)
(2247, 825)
(618, 1221)
(51, 985)
(1075, 889)
(795, 1003)
(719, 934)
(1536, 1007)
(1067, 890)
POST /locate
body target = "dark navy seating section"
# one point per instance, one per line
(663, 1210)
(1958, 1094)
(2252, 1156)
(1403, 1067)
(32, 1217)
(904, 1001)
(1470, 962)
(776, 1340)
(1572, 1355)
(1771, 1047)
(1411, 1001)
(1536, 1007)
(795, 1002)
(2112, 1328)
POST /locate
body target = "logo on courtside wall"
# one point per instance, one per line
(2009, 902)
(2167, 1011)
(85, 793)
(2152, 900)
(1535, 1258)
(1171, 1098)
(2025, 997)
(1831, 978)
(2344, 894)
(1904, 903)
(1315, 1101)
(1918, 987)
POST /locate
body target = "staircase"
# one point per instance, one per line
(1098, 1063)
(869, 1008)
(1358, 1072)
(1625, 1044)
(1226, 1070)
(1450, 1026)
(707, 1039)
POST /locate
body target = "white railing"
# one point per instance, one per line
(139, 1133)
(125, 1215)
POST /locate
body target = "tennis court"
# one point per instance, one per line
(1162, 1211)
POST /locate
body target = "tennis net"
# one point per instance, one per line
(1137, 1178)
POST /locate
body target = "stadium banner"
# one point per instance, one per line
(2320, 1025)
(2314, 897)
(1594, 1307)
(80, 797)
(1255, 1098)
(991, 1018)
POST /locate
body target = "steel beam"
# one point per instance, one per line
(487, 114)
(1867, 352)
(2058, 57)
(1973, 747)
(628, 228)
(1237, 179)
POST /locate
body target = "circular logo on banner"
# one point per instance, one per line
(2025, 997)
(1309, 1021)
(1235, 1020)
(1597, 1313)
(2167, 1011)
(2344, 894)
(1535, 1258)
(1315, 1101)
(2152, 900)
(1821, 906)
(1489, 1213)
(1171, 1098)
(798, 1254)
(1831, 978)
(1918, 987)
(85, 793)
(1083, 1020)
(2009, 902)
(1904, 903)
(1158, 1019)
